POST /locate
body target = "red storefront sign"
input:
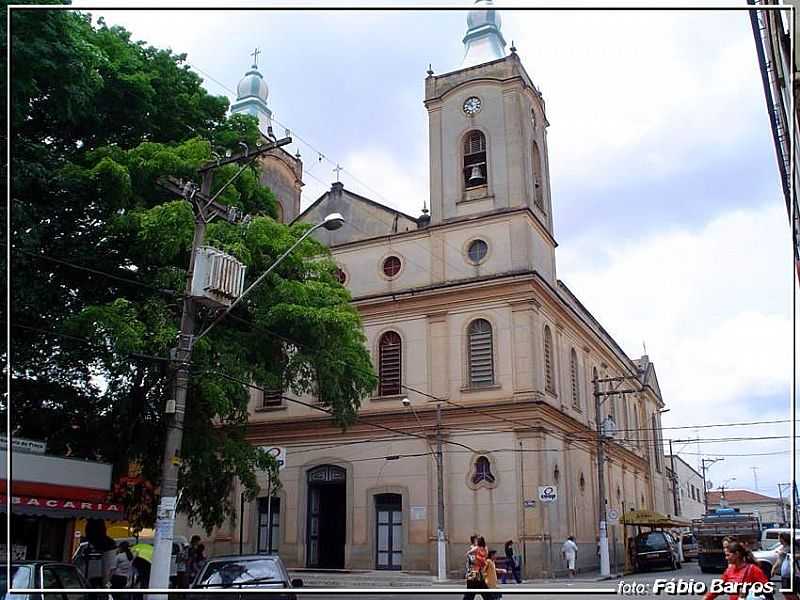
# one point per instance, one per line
(63, 504)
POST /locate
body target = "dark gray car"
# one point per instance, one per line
(247, 572)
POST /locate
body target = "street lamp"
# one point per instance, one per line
(704, 468)
(441, 545)
(165, 520)
(331, 222)
(722, 490)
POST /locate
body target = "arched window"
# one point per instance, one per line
(480, 353)
(279, 212)
(389, 363)
(538, 181)
(549, 367)
(573, 375)
(474, 159)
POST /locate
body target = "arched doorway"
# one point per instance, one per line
(327, 517)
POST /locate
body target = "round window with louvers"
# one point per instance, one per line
(477, 251)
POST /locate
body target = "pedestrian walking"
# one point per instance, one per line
(513, 565)
(470, 556)
(197, 561)
(121, 571)
(97, 557)
(570, 553)
(491, 572)
(783, 566)
(742, 568)
(476, 576)
(191, 563)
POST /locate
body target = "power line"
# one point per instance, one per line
(358, 419)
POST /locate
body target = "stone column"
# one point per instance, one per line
(522, 343)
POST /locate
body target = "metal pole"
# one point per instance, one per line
(705, 485)
(783, 506)
(241, 523)
(674, 481)
(269, 515)
(165, 517)
(522, 483)
(605, 568)
(441, 544)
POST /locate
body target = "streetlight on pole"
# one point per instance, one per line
(705, 468)
(206, 208)
(722, 488)
(441, 545)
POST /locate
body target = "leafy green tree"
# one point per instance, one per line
(97, 119)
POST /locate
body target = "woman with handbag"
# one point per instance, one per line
(741, 569)
(476, 576)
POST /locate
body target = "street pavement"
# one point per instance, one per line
(639, 585)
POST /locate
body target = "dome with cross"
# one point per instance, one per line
(252, 85)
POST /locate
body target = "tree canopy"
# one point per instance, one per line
(99, 257)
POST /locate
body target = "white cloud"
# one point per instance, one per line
(714, 308)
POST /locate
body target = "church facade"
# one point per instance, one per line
(462, 309)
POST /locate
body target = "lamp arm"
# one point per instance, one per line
(259, 280)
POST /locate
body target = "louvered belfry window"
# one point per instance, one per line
(474, 159)
(390, 353)
(549, 377)
(573, 373)
(481, 358)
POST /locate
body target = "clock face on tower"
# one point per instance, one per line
(472, 105)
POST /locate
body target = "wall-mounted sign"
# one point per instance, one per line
(612, 515)
(529, 503)
(419, 513)
(23, 445)
(548, 493)
(278, 453)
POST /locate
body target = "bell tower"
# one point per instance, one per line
(488, 130)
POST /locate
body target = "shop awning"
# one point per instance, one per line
(651, 518)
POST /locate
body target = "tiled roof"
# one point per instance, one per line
(739, 497)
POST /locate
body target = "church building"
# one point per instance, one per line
(463, 310)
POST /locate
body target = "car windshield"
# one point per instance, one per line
(652, 541)
(240, 572)
(20, 578)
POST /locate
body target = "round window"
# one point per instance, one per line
(341, 276)
(477, 251)
(391, 266)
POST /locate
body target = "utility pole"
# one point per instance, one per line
(205, 209)
(674, 481)
(755, 477)
(441, 544)
(705, 468)
(605, 566)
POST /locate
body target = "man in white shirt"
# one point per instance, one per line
(570, 552)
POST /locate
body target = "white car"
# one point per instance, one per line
(767, 557)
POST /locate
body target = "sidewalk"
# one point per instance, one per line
(388, 579)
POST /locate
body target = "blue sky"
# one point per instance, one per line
(666, 198)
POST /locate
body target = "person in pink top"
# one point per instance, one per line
(741, 569)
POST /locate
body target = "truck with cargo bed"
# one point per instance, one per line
(712, 529)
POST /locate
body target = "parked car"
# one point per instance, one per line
(772, 534)
(247, 572)
(768, 556)
(690, 546)
(179, 543)
(656, 549)
(42, 574)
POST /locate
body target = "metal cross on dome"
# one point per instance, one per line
(255, 54)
